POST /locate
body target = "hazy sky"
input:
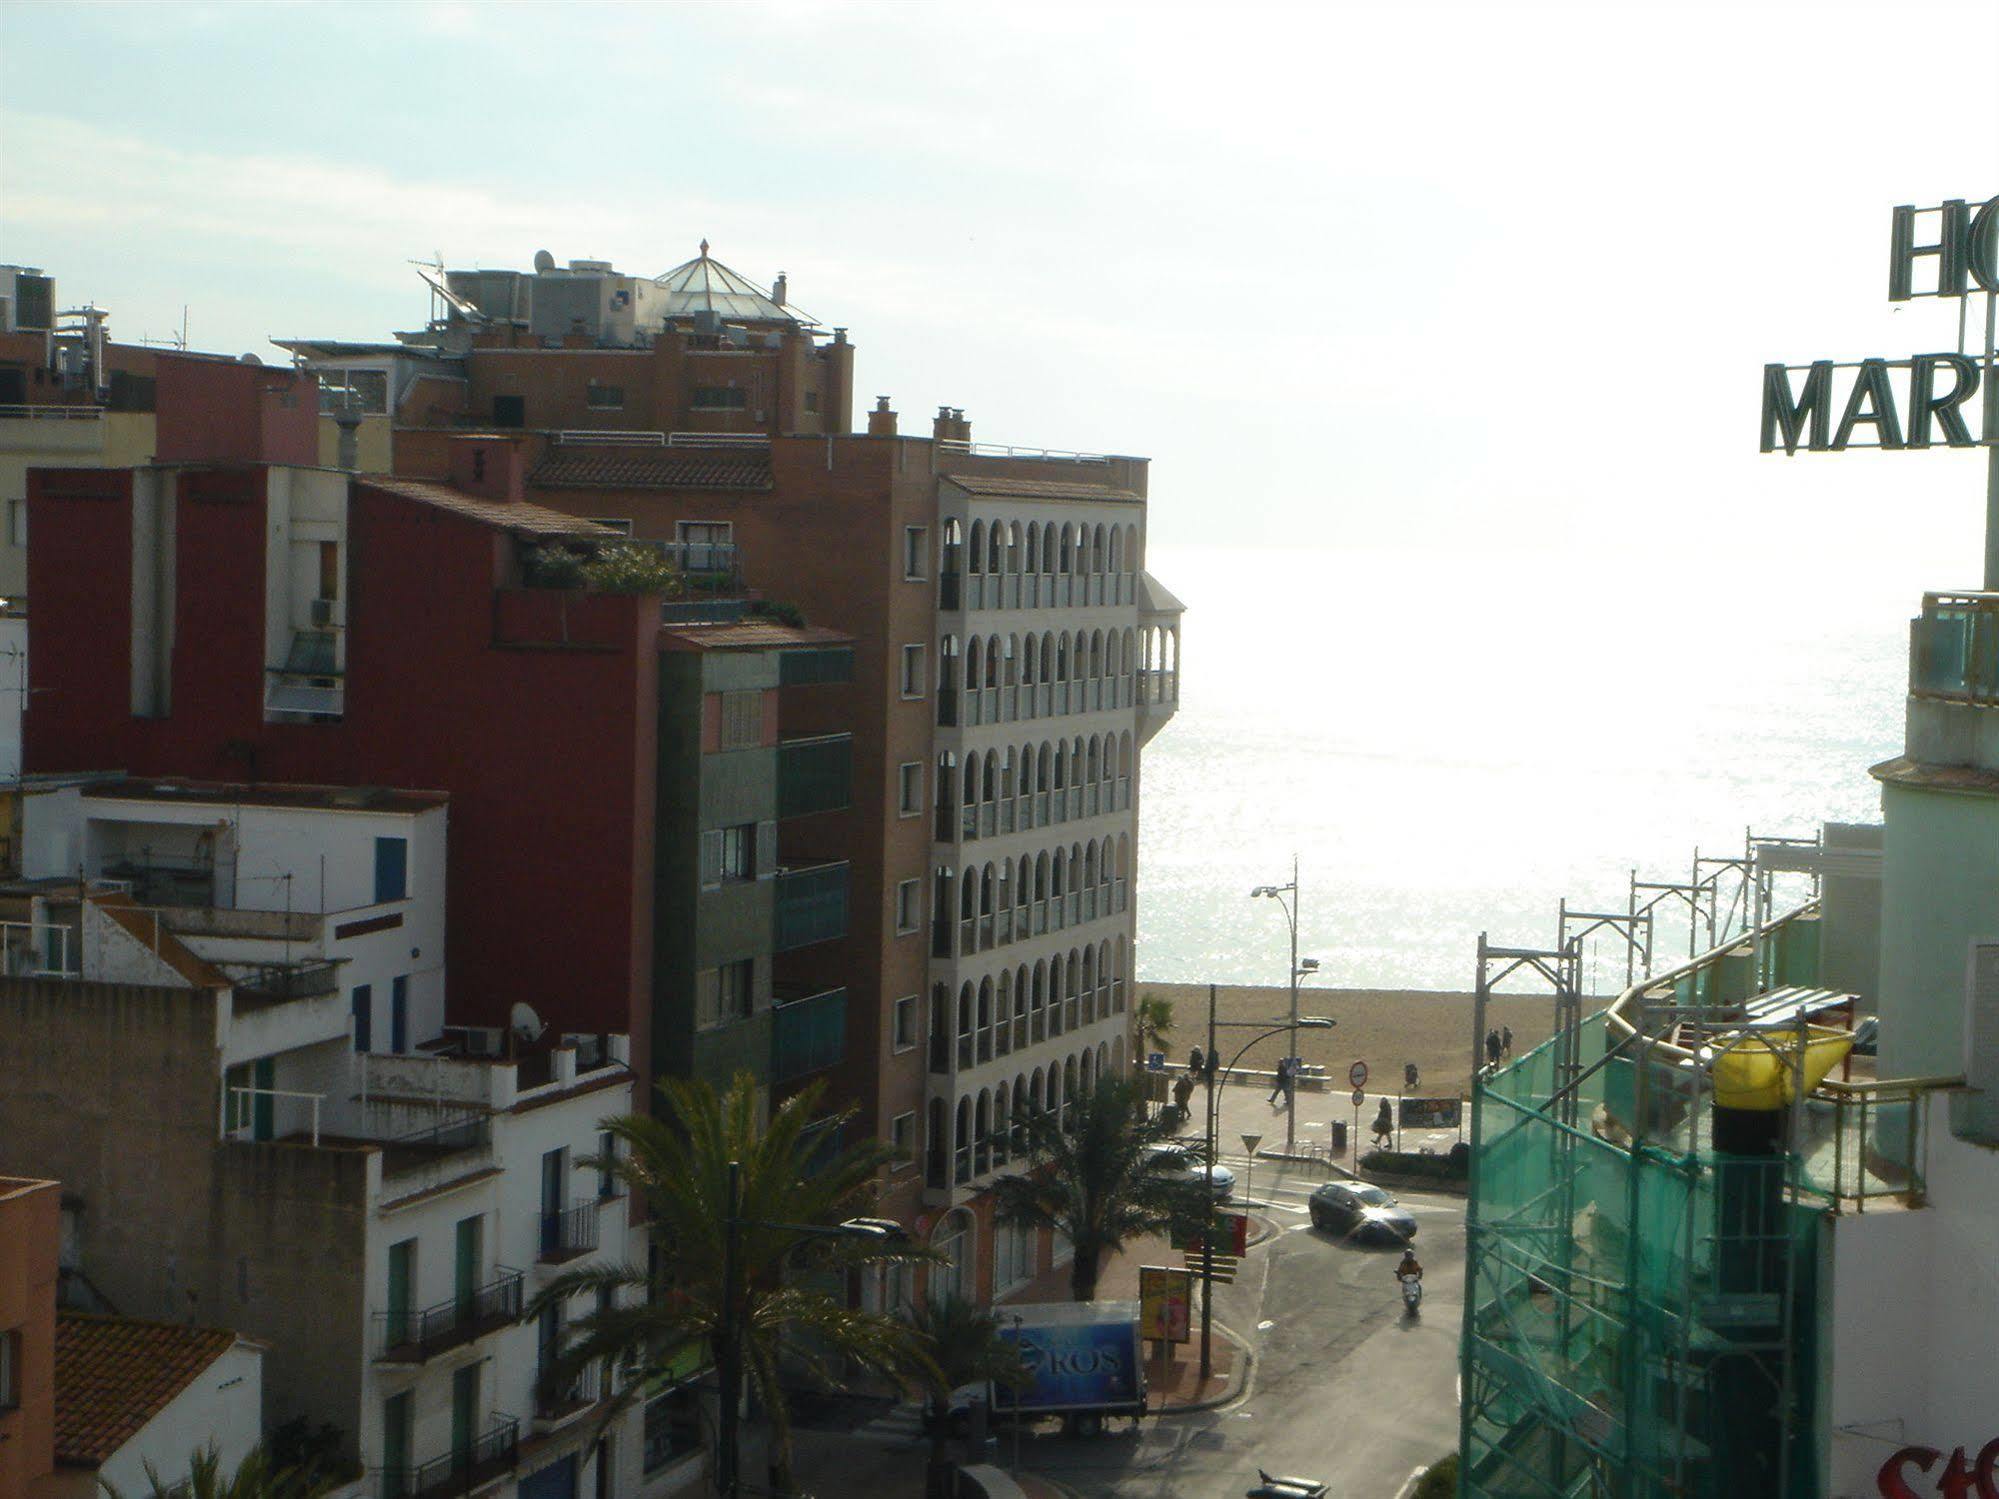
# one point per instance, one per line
(1388, 275)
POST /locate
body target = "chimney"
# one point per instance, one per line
(881, 421)
(490, 465)
(777, 292)
(348, 421)
(960, 428)
(941, 429)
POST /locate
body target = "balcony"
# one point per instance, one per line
(808, 1033)
(570, 1234)
(815, 774)
(415, 1337)
(280, 983)
(811, 905)
(557, 1407)
(487, 1457)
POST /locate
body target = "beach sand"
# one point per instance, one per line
(1382, 1027)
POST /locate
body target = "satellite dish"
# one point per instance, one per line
(525, 1023)
(248, 359)
(543, 261)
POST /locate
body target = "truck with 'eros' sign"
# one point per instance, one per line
(1084, 1362)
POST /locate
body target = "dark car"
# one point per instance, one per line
(1363, 1213)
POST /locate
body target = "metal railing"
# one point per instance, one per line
(810, 905)
(1868, 1139)
(411, 1337)
(38, 950)
(569, 1234)
(481, 1460)
(1954, 648)
(280, 982)
(245, 1109)
(571, 437)
(559, 1404)
(1010, 450)
(735, 440)
(17, 413)
(808, 1033)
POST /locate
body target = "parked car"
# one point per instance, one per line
(1361, 1212)
(1220, 1180)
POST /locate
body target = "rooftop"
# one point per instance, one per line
(522, 517)
(114, 1374)
(238, 794)
(706, 285)
(752, 634)
(1040, 489)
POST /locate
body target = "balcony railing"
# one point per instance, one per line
(277, 983)
(815, 774)
(412, 1337)
(1869, 1139)
(1954, 648)
(552, 1406)
(481, 1460)
(569, 1234)
(811, 905)
(808, 1033)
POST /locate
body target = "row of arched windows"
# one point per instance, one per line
(1005, 564)
(1022, 1006)
(1011, 900)
(1036, 675)
(1032, 785)
(989, 1128)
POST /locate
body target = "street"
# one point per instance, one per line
(1343, 1388)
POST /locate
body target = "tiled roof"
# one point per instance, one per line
(1040, 489)
(114, 1374)
(654, 469)
(755, 632)
(518, 516)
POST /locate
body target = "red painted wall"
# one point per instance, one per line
(219, 411)
(536, 712)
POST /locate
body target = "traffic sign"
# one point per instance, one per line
(1250, 1142)
(1359, 1097)
(1357, 1075)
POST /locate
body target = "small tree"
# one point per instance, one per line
(964, 1344)
(1101, 1180)
(621, 567)
(255, 1478)
(1153, 1020)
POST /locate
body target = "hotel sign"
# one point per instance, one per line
(1828, 406)
(1962, 1477)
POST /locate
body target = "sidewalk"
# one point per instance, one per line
(1242, 1107)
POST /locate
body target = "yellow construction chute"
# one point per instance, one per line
(1759, 1069)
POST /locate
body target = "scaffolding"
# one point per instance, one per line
(1639, 1295)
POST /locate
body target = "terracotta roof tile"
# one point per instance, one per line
(656, 468)
(114, 1374)
(1040, 489)
(519, 516)
(755, 632)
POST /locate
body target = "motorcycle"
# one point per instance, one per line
(1286, 1488)
(1412, 1293)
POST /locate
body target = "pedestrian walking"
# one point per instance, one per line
(1506, 1039)
(1492, 1048)
(1409, 1077)
(1195, 1061)
(1279, 1085)
(1384, 1123)
(1183, 1092)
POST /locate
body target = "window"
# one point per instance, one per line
(622, 524)
(364, 1017)
(905, 1022)
(607, 1182)
(916, 552)
(912, 671)
(736, 984)
(704, 533)
(742, 720)
(908, 907)
(672, 1427)
(739, 852)
(368, 389)
(10, 1369)
(902, 1135)
(510, 411)
(812, 400)
(909, 788)
(720, 398)
(605, 397)
(392, 857)
(17, 523)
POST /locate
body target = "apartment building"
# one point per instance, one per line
(370, 1193)
(1011, 657)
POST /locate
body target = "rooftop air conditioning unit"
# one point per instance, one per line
(325, 613)
(708, 322)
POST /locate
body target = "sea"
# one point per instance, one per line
(1451, 742)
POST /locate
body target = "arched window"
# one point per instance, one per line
(961, 1155)
(996, 548)
(1033, 546)
(982, 1128)
(955, 1240)
(975, 554)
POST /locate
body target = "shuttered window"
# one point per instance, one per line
(742, 720)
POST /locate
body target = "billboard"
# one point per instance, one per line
(1432, 1113)
(1082, 1362)
(1165, 1298)
(1231, 1236)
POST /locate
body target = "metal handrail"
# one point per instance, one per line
(1010, 450)
(737, 440)
(570, 1233)
(13, 413)
(417, 1335)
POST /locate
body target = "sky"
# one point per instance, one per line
(1488, 278)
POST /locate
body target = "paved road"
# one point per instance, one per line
(1344, 1389)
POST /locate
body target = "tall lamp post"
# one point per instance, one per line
(1309, 1022)
(1279, 893)
(728, 1349)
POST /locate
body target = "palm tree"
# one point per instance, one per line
(1152, 1019)
(791, 1181)
(1100, 1180)
(254, 1478)
(964, 1345)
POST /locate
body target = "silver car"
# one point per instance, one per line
(1219, 1179)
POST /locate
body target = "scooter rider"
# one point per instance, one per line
(1410, 1265)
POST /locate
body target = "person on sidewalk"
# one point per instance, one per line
(1506, 1040)
(1492, 1048)
(1183, 1093)
(1280, 1087)
(1384, 1124)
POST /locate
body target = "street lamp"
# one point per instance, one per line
(728, 1356)
(1299, 970)
(1309, 1022)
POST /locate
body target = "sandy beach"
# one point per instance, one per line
(1383, 1027)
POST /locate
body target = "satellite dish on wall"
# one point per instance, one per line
(543, 261)
(525, 1023)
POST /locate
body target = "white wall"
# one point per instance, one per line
(224, 1405)
(13, 692)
